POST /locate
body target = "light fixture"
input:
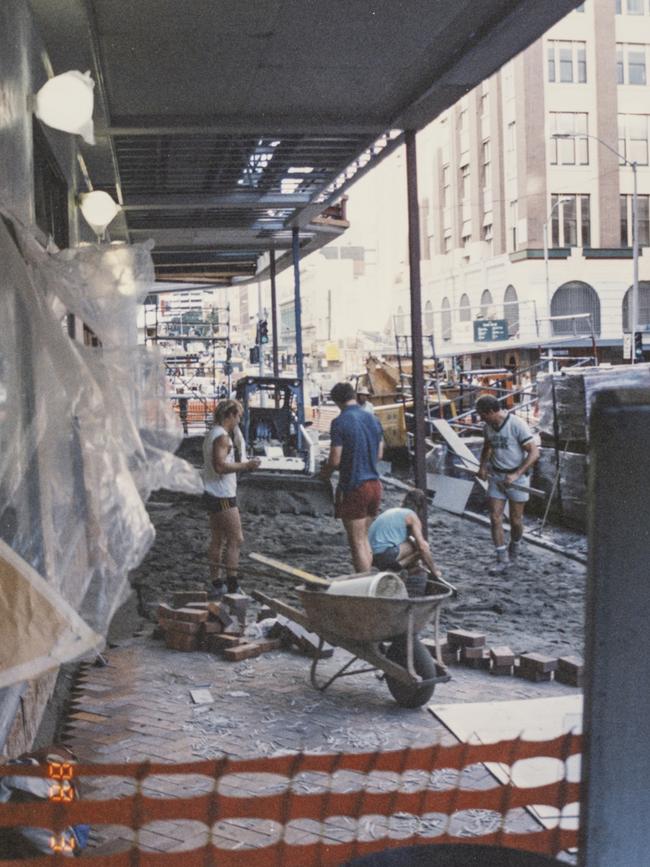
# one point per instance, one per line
(66, 102)
(98, 210)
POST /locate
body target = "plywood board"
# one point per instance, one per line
(457, 445)
(40, 630)
(450, 494)
(534, 719)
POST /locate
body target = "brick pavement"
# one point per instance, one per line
(139, 707)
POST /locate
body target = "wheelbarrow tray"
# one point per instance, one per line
(366, 618)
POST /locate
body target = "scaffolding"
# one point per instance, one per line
(195, 343)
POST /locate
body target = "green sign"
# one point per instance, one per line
(486, 330)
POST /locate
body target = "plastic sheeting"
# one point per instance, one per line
(574, 393)
(85, 433)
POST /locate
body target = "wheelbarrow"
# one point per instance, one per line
(382, 632)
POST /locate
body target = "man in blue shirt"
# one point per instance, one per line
(357, 443)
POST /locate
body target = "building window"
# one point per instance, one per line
(462, 119)
(485, 164)
(513, 225)
(464, 183)
(446, 244)
(569, 151)
(627, 221)
(633, 138)
(486, 303)
(631, 63)
(428, 318)
(399, 321)
(445, 187)
(572, 299)
(465, 311)
(484, 105)
(487, 232)
(567, 61)
(511, 310)
(571, 226)
(632, 7)
(50, 190)
(445, 317)
(643, 308)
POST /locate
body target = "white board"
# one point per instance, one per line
(457, 446)
(450, 494)
(536, 719)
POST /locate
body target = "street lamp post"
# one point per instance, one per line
(635, 228)
(546, 268)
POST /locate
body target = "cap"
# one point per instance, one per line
(363, 390)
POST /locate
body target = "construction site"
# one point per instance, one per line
(160, 705)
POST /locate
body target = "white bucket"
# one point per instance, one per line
(384, 584)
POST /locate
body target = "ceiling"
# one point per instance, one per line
(221, 124)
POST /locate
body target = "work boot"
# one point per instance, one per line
(501, 566)
(216, 591)
(514, 549)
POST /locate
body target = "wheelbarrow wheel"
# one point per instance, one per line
(405, 694)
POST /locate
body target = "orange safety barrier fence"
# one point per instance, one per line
(137, 810)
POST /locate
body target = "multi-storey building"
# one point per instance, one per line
(495, 180)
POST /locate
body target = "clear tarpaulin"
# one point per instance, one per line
(86, 432)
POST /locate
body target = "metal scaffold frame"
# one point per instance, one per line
(192, 397)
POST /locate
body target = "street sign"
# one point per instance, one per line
(486, 330)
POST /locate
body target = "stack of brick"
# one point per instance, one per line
(193, 623)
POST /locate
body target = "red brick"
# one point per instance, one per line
(182, 627)
(211, 627)
(199, 606)
(570, 670)
(538, 662)
(164, 612)
(217, 643)
(475, 657)
(502, 670)
(465, 638)
(190, 615)
(267, 644)
(243, 651)
(214, 608)
(181, 598)
(502, 656)
(181, 641)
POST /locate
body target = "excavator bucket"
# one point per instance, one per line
(294, 493)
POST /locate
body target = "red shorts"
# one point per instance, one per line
(361, 502)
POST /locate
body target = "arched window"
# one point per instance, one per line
(486, 302)
(643, 311)
(428, 318)
(511, 310)
(445, 316)
(570, 299)
(465, 312)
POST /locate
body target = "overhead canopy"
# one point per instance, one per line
(223, 123)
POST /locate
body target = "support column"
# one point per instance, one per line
(616, 759)
(274, 313)
(416, 313)
(300, 371)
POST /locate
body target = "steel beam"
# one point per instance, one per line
(416, 313)
(274, 311)
(205, 201)
(300, 370)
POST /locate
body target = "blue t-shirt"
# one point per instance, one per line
(388, 529)
(359, 433)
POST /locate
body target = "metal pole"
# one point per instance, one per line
(274, 313)
(260, 316)
(548, 279)
(416, 313)
(295, 249)
(635, 258)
